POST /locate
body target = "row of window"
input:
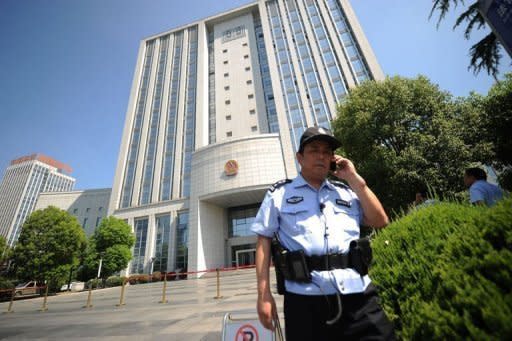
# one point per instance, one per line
(230, 133)
(87, 210)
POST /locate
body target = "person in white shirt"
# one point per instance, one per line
(481, 192)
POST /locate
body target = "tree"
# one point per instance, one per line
(404, 135)
(485, 54)
(50, 243)
(498, 125)
(112, 242)
(4, 251)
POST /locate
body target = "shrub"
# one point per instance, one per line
(5, 289)
(156, 276)
(114, 281)
(95, 282)
(445, 271)
(6, 284)
(139, 279)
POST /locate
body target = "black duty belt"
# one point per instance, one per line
(329, 262)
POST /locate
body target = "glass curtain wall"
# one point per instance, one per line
(166, 181)
(139, 250)
(131, 161)
(182, 242)
(163, 231)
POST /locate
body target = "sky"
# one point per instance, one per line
(66, 68)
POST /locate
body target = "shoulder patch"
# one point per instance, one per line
(278, 184)
(340, 184)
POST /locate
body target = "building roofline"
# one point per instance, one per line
(210, 18)
(44, 159)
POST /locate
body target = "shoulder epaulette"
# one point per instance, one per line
(340, 184)
(279, 184)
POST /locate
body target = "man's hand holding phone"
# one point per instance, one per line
(344, 169)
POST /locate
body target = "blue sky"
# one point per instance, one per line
(66, 68)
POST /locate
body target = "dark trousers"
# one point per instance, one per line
(362, 317)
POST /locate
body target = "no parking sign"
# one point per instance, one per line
(242, 329)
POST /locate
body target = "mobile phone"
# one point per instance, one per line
(333, 166)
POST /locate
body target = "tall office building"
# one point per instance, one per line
(24, 179)
(215, 114)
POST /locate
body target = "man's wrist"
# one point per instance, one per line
(356, 182)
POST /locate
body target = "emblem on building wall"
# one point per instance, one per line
(231, 168)
(233, 33)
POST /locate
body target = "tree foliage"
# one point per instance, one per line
(50, 243)
(485, 54)
(498, 126)
(4, 250)
(445, 272)
(404, 135)
(112, 242)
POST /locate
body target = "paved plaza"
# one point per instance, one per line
(192, 311)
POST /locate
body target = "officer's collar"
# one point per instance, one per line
(299, 181)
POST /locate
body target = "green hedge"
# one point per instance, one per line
(114, 281)
(445, 271)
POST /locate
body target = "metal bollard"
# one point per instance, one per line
(121, 299)
(45, 307)
(164, 300)
(218, 284)
(9, 309)
(88, 304)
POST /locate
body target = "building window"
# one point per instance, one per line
(247, 68)
(249, 81)
(181, 242)
(229, 134)
(100, 208)
(226, 87)
(85, 222)
(252, 112)
(244, 44)
(224, 51)
(225, 62)
(87, 210)
(227, 102)
(98, 220)
(75, 211)
(139, 249)
(163, 224)
(250, 96)
(254, 128)
(246, 56)
(228, 117)
(226, 74)
(240, 220)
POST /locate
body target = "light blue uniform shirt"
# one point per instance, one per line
(294, 211)
(481, 190)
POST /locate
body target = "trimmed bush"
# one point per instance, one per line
(114, 281)
(95, 282)
(156, 276)
(445, 271)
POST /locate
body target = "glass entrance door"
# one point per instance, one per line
(245, 257)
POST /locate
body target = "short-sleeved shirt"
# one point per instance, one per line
(481, 190)
(301, 216)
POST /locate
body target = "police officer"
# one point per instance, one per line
(322, 218)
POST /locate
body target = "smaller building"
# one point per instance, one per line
(88, 206)
(23, 180)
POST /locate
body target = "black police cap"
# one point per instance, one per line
(318, 133)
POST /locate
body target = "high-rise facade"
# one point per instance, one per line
(23, 180)
(215, 114)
